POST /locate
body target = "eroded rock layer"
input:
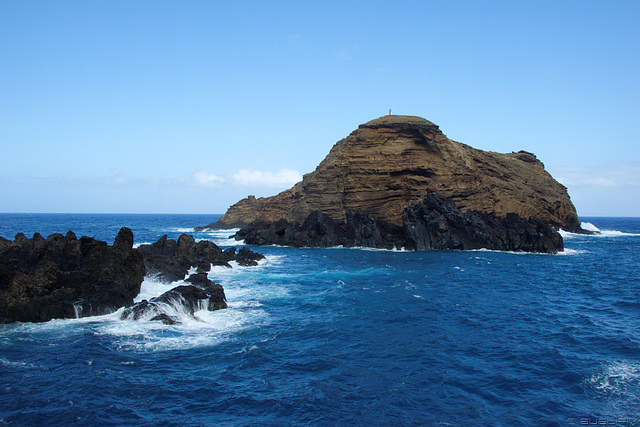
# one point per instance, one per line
(388, 163)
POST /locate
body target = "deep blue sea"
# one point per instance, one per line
(347, 337)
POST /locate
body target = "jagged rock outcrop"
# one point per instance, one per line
(60, 276)
(388, 163)
(432, 222)
(170, 260)
(436, 223)
(320, 230)
(66, 277)
(168, 308)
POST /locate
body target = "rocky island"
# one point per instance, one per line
(413, 187)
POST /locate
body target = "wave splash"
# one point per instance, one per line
(197, 328)
(597, 232)
(617, 382)
(194, 329)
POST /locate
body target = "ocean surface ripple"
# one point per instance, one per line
(347, 337)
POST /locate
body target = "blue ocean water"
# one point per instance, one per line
(347, 337)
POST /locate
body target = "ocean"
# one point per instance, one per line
(340, 336)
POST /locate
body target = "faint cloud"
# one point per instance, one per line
(256, 178)
(298, 43)
(611, 188)
(117, 177)
(602, 182)
(206, 179)
(608, 175)
(166, 180)
(346, 53)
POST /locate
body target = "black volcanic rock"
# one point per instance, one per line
(432, 222)
(436, 223)
(247, 258)
(320, 230)
(171, 260)
(65, 277)
(202, 293)
(57, 277)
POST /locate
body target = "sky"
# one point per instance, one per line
(189, 106)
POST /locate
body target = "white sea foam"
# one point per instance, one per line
(523, 253)
(223, 237)
(567, 252)
(587, 226)
(597, 232)
(15, 364)
(617, 378)
(152, 287)
(245, 287)
(204, 329)
(365, 248)
(567, 234)
(183, 230)
(600, 233)
(615, 233)
(245, 291)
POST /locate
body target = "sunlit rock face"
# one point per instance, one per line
(388, 163)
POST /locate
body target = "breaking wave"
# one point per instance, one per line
(587, 226)
(597, 232)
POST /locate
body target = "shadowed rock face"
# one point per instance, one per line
(66, 277)
(61, 276)
(387, 163)
(435, 223)
(430, 223)
(170, 260)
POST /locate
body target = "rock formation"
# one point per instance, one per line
(436, 223)
(170, 260)
(202, 294)
(66, 277)
(430, 223)
(388, 163)
(61, 276)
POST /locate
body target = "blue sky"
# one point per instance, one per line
(187, 107)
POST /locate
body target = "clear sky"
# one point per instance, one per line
(189, 106)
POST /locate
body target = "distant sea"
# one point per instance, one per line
(354, 337)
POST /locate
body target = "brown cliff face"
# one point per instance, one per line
(392, 161)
